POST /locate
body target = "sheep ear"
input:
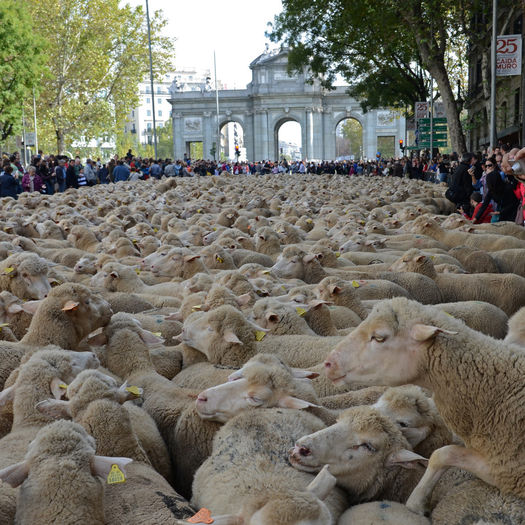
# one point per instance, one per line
(150, 338)
(235, 375)
(420, 258)
(316, 303)
(175, 316)
(190, 258)
(334, 290)
(70, 305)
(322, 484)
(7, 394)
(128, 393)
(415, 435)
(423, 332)
(30, 307)
(101, 465)
(230, 337)
(97, 338)
(309, 258)
(16, 474)
(304, 374)
(294, 402)
(272, 317)
(257, 327)
(114, 275)
(243, 299)
(58, 387)
(14, 309)
(406, 459)
(55, 408)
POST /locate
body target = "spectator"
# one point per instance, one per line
(460, 186)
(155, 170)
(31, 181)
(89, 172)
(121, 172)
(476, 204)
(103, 174)
(71, 176)
(81, 177)
(8, 184)
(60, 178)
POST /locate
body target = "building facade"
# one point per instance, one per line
(271, 99)
(509, 94)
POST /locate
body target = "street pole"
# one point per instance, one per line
(431, 117)
(493, 136)
(218, 147)
(34, 118)
(24, 137)
(151, 82)
(406, 131)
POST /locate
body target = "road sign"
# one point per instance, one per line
(30, 138)
(437, 120)
(435, 144)
(439, 128)
(437, 135)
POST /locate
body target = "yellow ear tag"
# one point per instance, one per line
(338, 254)
(266, 272)
(309, 221)
(450, 315)
(196, 307)
(219, 259)
(134, 241)
(8, 270)
(300, 311)
(214, 229)
(158, 334)
(199, 210)
(4, 324)
(115, 475)
(63, 386)
(155, 230)
(355, 284)
(259, 335)
(137, 271)
(135, 390)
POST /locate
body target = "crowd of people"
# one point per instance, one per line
(483, 185)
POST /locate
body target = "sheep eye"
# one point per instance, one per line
(378, 338)
(254, 401)
(402, 424)
(368, 447)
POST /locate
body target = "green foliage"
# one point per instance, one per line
(98, 54)
(21, 64)
(349, 138)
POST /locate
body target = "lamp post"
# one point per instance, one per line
(151, 82)
(493, 135)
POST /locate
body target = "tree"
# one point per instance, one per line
(388, 37)
(349, 138)
(98, 54)
(21, 64)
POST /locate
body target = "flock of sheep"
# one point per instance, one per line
(279, 350)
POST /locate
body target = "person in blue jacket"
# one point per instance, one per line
(8, 184)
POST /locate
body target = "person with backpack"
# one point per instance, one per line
(460, 185)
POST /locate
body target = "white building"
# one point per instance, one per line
(140, 120)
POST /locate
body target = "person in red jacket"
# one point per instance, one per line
(476, 202)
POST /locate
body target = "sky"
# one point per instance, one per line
(233, 28)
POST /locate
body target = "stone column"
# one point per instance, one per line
(329, 134)
(309, 135)
(317, 135)
(207, 134)
(261, 134)
(369, 135)
(178, 138)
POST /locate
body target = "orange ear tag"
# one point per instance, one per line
(203, 516)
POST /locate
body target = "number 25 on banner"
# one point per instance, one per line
(508, 55)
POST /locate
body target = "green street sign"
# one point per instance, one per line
(438, 135)
(435, 144)
(437, 120)
(436, 127)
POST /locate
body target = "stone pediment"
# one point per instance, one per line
(276, 57)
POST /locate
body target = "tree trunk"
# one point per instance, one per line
(60, 141)
(522, 77)
(457, 138)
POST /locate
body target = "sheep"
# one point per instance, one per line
(516, 330)
(341, 293)
(475, 261)
(401, 342)
(280, 318)
(167, 328)
(178, 262)
(382, 512)
(45, 372)
(25, 275)
(483, 241)
(83, 239)
(510, 261)
(249, 457)
(57, 478)
(507, 291)
(367, 454)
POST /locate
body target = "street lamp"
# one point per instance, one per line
(151, 82)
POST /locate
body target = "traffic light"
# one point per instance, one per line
(401, 146)
(237, 151)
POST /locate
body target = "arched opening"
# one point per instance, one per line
(349, 139)
(232, 142)
(288, 141)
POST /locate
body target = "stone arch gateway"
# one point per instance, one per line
(271, 98)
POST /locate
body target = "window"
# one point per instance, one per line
(159, 101)
(160, 113)
(148, 113)
(159, 90)
(148, 100)
(148, 126)
(133, 113)
(148, 89)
